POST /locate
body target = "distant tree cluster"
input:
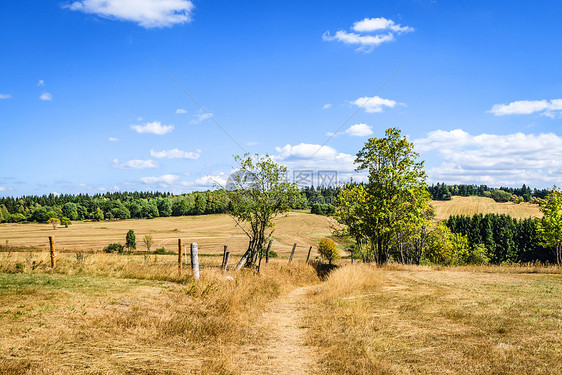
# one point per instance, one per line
(502, 238)
(442, 192)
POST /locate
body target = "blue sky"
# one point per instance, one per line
(86, 105)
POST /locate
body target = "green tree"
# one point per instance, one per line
(550, 226)
(328, 250)
(65, 221)
(395, 200)
(54, 222)
(259, 193)
(148, 241)
(164, 207)
(130, 240)
(70, 210)
(98, 215)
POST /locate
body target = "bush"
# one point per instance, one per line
(131, 240)
(273, 254)
(160, 251)
(114, 247)
(328, 250)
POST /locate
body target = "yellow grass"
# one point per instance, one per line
(211, 232)
(470, 206)
(110, 314)
(418, 320)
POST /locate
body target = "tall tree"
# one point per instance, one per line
(395, 200)
(550, 226)
(259, 193)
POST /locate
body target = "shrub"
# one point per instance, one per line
(328, 250)
(131, 240)
(273, 254)
(114, 247)
(160, 251)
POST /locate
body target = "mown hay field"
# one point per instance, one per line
(470, 206)
(210, 232)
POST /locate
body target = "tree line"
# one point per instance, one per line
(442, 191)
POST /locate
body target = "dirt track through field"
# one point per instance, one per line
(283, 349)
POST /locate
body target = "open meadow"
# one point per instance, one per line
(470, 206)
(210, 232)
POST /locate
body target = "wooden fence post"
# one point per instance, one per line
(195, 260)
(308, 256)
(52, 249)
(267, 251)
(226, 259)
(223, 256)
(243, 260)
(292, 252)
(179, 257)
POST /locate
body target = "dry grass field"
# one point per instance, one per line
(420, 320)
(211, 232)
(113, 314)
(470, 206)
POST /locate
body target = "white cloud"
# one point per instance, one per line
(175, 154)
(206, 182)
(367, 42)
(375, 103)
(146, 13)
(359, 130)
(46, 96)
(2, 188)
(251, 143)
(313, 156)
(5, 96)
(154, 127)
(527, 107)
(112, 139)
(167, 179)
(201, 117)
(135, 164)
(509, 160)
(381, 23)
(327, 106)
(41, 83)
(180, 111)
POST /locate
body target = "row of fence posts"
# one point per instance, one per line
(194, 256)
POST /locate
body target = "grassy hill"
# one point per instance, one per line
(470, 206)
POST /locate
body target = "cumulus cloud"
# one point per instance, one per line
(175, 154)
(135, 164)
(327, 106)
(5, 96)
(509, 160)
(359, 130)
(146, 13)
(377, 24)
(112, 139)
(46, 96)
(2, 188)
(154, 127)
(167, 179)
(201, 117)
(527, 107)
(313, 156)
(41, 83)
(368, 33)
(207, 182)
(375, 103)
(180, 111)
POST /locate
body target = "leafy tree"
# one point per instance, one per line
(395, 199)
(65, 221)
(550, 226)
(180, 208)
(164, 207)
(148, 241)
(328, 250)
(70, 210)
(130, 240)
(54, 222)
(260, 193)
(98, 215)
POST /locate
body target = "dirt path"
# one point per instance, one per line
(283, 349)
